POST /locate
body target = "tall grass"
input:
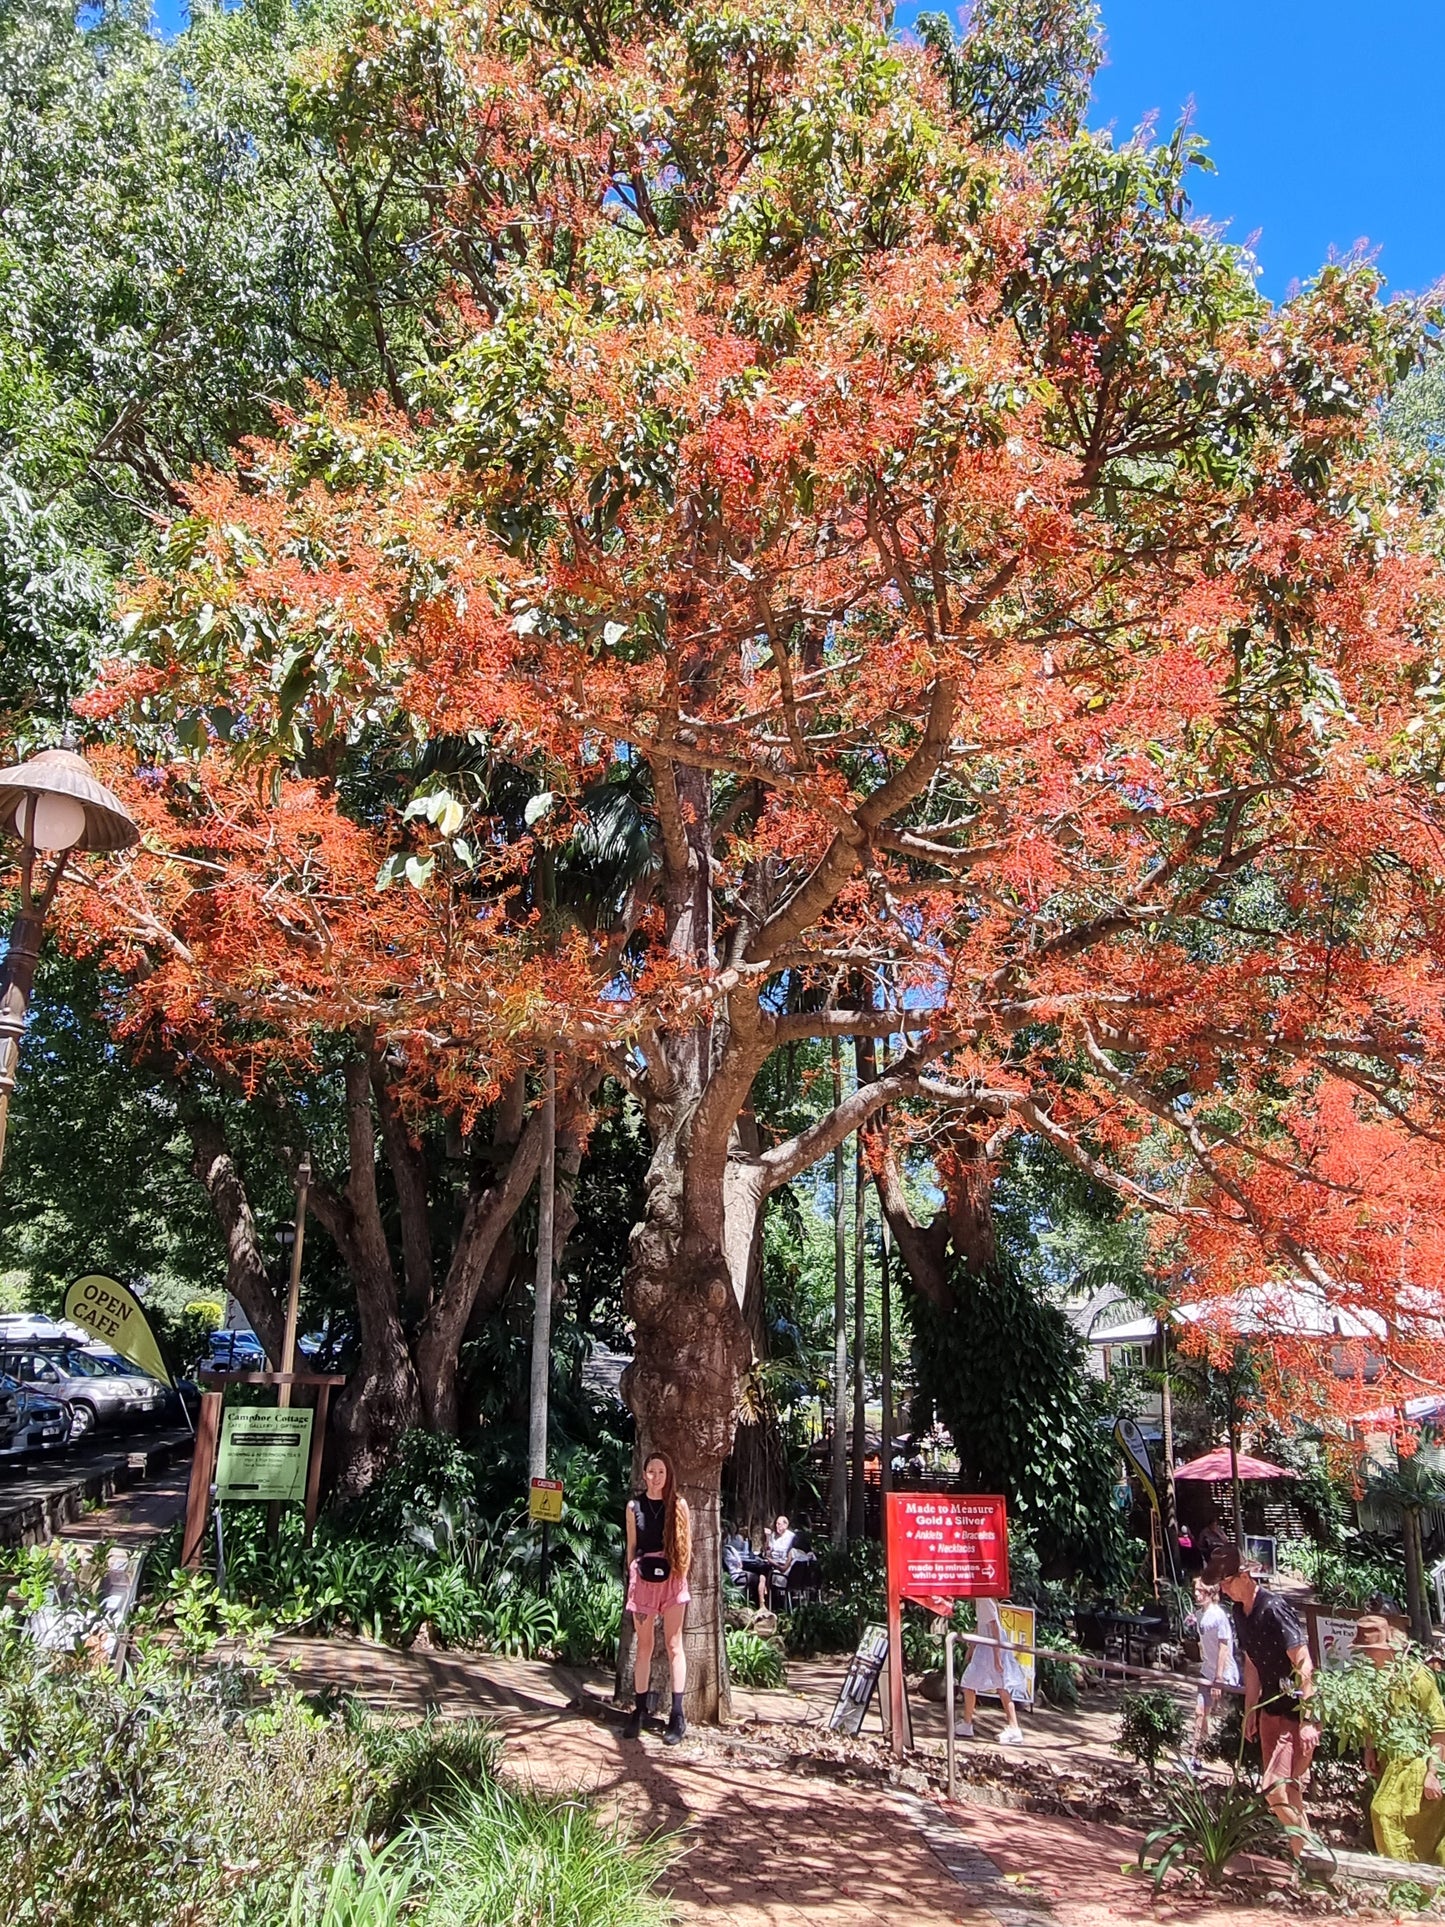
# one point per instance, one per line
(507, 1857)
(491, 1855)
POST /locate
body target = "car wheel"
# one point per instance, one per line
(82, 1420)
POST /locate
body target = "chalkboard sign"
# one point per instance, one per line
(862, 1682)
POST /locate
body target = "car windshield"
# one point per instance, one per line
(82, 1365)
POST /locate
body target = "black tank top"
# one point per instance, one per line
(651, 1515)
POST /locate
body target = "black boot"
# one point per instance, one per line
(677, 1726)
(641, 1707)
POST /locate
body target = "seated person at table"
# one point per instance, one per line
(734, 1552)
(777, 1551)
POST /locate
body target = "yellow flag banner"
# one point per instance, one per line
(106, 1308)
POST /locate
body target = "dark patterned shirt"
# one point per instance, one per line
(1265, 1635)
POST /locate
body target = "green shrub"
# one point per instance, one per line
(1362, 1705)
(755, 1661)
(589, 1619)
(363, 1889)
(164, 1798)
(1346, 1579)
(1058, 1682)
(417, 1768)
(1150, 1723)
(387, 1592)
(426, 1471)
(820, 1626)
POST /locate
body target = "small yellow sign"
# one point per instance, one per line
(1019, 1625)
(105, 1307)
(545, 1501)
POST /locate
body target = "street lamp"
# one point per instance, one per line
(54, 805)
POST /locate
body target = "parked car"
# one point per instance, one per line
(41, 1423)
(96, 1393)
(177, 1401)
(234, 1351)
(9, 1411)
(19, 1329)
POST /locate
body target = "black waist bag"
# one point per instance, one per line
(653, 1567)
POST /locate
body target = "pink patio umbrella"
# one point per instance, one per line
(1225, 1462)
(1221, 1464)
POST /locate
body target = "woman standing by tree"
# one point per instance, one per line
(659, 1552)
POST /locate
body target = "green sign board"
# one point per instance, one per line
(264, 1452)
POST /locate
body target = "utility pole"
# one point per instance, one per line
(838, 1465)
(542, 1299)
(858, 1510)
(288, 1343)
(886, 1329)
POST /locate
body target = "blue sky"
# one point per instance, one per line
(1321, 117)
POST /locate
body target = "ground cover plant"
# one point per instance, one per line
(754, 1660)
(170, 1796)
(439, 1547)
(1349, 1577)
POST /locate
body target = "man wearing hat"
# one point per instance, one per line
(1407, 1811)
(1278, 1688)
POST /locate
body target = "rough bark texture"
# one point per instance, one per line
(246, 1276)
(692, 1349)
(409, 1325)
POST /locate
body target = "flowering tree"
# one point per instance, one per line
(1004, 626)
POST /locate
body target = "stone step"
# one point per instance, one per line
(35, 1506)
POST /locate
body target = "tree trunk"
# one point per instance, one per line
(1234, 1478)
(756, 1472)
(682, 1387)
(1416, 1598)
(247, 1279)
(381, 1399)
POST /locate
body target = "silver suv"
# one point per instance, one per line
(98, 1391)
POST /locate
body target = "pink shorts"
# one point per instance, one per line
(1285, 1751)
(648, 1596)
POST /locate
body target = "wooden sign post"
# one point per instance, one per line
(208, 1438)
(940, 1546)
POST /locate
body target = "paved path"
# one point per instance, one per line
(140, 1516)
(765, 1846)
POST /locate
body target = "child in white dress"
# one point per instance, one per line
(992, 1669)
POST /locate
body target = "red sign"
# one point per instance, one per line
(947, 1545)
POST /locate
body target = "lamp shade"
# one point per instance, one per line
(54, 802)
